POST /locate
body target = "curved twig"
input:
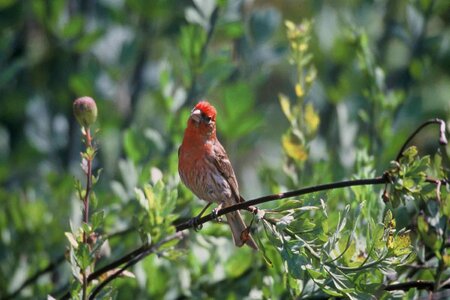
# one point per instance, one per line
(442, 137)
(442, 141)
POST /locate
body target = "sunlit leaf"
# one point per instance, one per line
(150, 196)
(293, 148)
(285, 106)
(312, 119)
(402, 244)
(299, 92)
(72, 240)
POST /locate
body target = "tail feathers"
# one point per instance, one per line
(238, 227)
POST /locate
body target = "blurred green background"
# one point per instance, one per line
(146, 63)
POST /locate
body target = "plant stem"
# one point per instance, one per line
(88, 143)
(303, 191)
(442, 137)
(88, 182)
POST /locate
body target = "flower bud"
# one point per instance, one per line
(85, 110)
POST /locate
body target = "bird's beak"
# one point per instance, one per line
(196, 115)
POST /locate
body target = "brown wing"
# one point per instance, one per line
(223, 164)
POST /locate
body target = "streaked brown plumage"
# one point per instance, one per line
(205, 169)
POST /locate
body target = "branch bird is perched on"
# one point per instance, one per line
(205, 169)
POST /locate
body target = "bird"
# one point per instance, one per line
(204, 167)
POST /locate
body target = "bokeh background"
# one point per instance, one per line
(146, 63)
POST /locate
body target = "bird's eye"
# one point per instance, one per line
(207, 119)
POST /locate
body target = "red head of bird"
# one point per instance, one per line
(202, 121)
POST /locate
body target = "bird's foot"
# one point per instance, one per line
(215, 212)
(194, 222)
(253, 209)
(195, 225)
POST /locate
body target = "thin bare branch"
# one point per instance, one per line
(442, 136)
(264, 199)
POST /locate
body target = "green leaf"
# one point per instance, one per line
(150, 196)
(97, 219)
(409, 154)
(302, 224)
(86, 228)
(446, 204)
(330, 291)
(349, 253)
(288, 204)
(429, 237)
(78, 188)
(93, 200)
(314, 273)
(263, 250)
(293, 260)
(83, 256)
(140, 196)
(422, 225)
(388, 218)
(95, 178)
(285, 221)
(402, 244)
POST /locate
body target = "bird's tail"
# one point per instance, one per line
(238, 228)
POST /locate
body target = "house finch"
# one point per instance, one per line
(205, 169)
